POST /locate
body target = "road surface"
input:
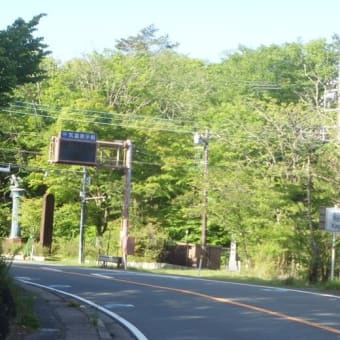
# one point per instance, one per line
(182, 308)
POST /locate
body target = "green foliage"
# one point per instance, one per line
(269, 170)
(66, 219)
(150, 242)
(7, 303)
(4, 219)
(145, 41)
(16, 304)
(30, 218)
(24, 302)
(67, 248)
(20, 56)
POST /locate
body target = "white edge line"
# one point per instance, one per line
(274, 288)
(134, 330)
(102, 276)
(52, 269)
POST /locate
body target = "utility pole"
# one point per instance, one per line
(125, 222)
(338, 104)
(205, 190)
(205, 141)
(338, 139)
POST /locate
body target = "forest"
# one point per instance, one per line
(269, 115)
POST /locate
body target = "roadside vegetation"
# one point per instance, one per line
(274, 156)
(16, 305)
(7, 302)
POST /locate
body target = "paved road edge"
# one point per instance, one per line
(128, 325)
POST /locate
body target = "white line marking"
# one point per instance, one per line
(275, 290)
(59, 286)
(102, 276)
(115, 305)
(22, 278)
(134, 330)
(51, 269)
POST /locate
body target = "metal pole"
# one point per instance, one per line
(338, 104)
(205, 140)
(338, 138)
(125, 222)
(82, 217)
(205, 191)
(333, 255)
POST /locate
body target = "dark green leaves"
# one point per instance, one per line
(20, 56)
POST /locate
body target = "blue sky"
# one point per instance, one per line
(205, 29)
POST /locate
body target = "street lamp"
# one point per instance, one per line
(199, 139)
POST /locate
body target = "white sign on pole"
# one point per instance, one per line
(232, 257)
(332, 220)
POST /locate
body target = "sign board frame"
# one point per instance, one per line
(73, 147)
(332, 219)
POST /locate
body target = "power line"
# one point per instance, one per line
(106, 114)
(123, 115)
(93, 121)
(223, 128)
(7, 150)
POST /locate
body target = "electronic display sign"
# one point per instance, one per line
(72, 147)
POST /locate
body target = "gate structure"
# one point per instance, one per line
(83, 148)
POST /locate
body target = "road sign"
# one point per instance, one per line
(80, 136)
(332, 220)
(72, 147)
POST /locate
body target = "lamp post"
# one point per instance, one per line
(199, 139)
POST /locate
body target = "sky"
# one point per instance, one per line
(204, 29)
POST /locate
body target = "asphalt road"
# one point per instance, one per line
(175, 307)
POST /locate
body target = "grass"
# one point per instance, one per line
(249, 277)
(23, 320)
(24, 301)
(73, 304)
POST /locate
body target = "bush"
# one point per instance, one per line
(7, 304)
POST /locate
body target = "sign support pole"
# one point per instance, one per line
(82, 217)
(68, 148)
(333, 255)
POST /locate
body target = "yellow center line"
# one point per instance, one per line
(236, 303)
(222, 300)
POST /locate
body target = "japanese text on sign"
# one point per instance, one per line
(84, 136)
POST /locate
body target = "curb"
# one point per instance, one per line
(70, 322)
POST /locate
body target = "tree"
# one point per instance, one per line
(20, 56)
(268, 169)
(145, 41)
(289, 73)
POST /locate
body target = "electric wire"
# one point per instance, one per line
(93, 121)
(57, 109)
(222, 129)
